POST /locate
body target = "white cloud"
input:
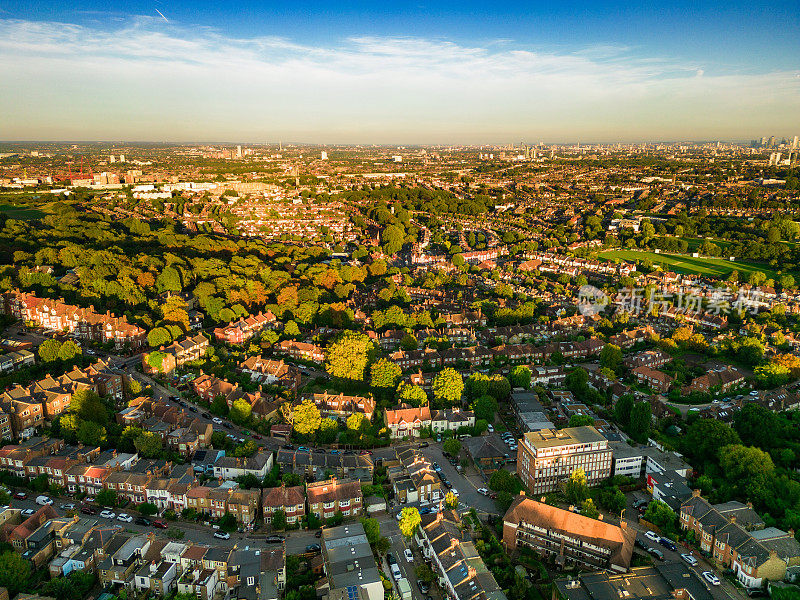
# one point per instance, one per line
(149, 79)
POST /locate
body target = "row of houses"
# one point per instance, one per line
(177, 354)
(210, 387)
(238, 332)
(83, 323)
(144, 563)
(26, 408)
(405, 421)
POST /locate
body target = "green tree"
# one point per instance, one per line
(91, 434)
(452, 446)
(106, 497)
(611, 357)
(158, 337)
(383, 546)
(307, 418)
(279, 519)
(412, 394)
(485, 408)
(409, 521)
(521, 377)
(349, 356)
(355, 421)
(588, 509)
(69, 350)
(372, 528)
(384, 374)
(15, 572)
(662, 516)
(240, 411)
(291, 329)
(622, 410)
(148, 444)
(499, 387)
(704, 438)
(448, 386)
(148, 509)
(576, 487)
(639, 428)
(48, 350)
(748, 468)
(580, 421)
(89, 406)
(503, 481)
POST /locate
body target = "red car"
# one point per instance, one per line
(256, 436)
(21, 496)
(88, 510)
(160, 524)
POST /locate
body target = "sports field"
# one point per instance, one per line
(22, 213)
(715, 267)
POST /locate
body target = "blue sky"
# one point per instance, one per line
(398, 71)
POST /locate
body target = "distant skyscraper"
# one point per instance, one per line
(794, 143)
(323, 155)
(121, 158)
(772, 141)
(112, 159)
(238, 152)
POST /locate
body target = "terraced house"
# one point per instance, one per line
(84, 323)
(178, 353)
(455, 560)
(291, 500)
(238, 332)
(326, 498)
(735, 536)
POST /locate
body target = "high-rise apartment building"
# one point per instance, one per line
(546, 458)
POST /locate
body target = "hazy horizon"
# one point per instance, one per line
(356, 74)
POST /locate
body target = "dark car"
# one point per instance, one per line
(313, 548)
(667, 543)
(88, 510)
(390, 559)
(206, 415)
(192, 409)
(318, 534)
(227, 425)
(640, 544)
(160, 524)
(256, 436)
(274, 539)
(288, 447)
(143, 521)
(756, 592)
(423, 587)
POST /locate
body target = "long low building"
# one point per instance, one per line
(571, 538)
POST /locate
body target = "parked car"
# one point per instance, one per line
(108, 514)
(216, 421)
(710, 578)
(483, 491)
(274, 539)
(656, 553)
(396, 572)
(143, 521)
(436, 467)
(303, 449)
(222, 535)
(125, 518)
(689, 559)
(160, 524)
(490, 428)
(756, 592)
(27, 512)
(43, 500)
(423, 587)
(425, 510)
(206, 415)
(313, 548)
(21, 496)
(318, 534)
(640, 544)
(409, 555)
(652, 535)
(668, 543)
(390, 558)
(88, 510)
(67, 506)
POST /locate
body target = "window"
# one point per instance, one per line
(251, 581)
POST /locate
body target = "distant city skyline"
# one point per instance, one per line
(457, 74)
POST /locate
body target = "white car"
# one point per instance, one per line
(455, 491)
(710, 578)
(125, 518)
(28, 512)
(409, 555)
(108, 514)
(217, 421)
(43, 500)
(490, 428)
(483, 491)
(652, 535)
(689, 559)
(396, 572)
(223, 535)
(68, 506)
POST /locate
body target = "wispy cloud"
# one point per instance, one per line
(151, 79)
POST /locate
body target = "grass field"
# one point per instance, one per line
(714, 267)
(22, 213)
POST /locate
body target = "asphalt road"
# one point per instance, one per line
(467, 487)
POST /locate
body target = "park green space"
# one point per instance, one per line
(680, 263)
(21, 212)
